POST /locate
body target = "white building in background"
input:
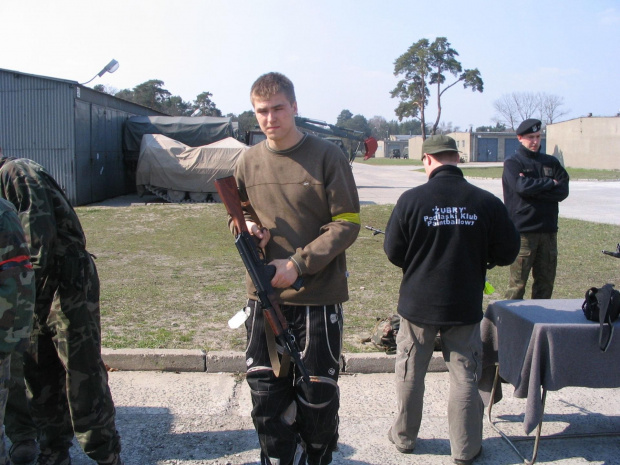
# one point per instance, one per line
(590, 142)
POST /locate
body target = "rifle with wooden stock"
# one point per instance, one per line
(261, 274)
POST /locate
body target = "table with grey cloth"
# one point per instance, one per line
(544, 344)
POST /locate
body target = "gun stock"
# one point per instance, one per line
(229, 193)
(260, 273)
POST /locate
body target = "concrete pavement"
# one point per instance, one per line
(595, 201)
(201, 418)
(190, 407)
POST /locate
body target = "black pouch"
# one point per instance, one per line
(602, 305)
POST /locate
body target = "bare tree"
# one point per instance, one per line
(378, 127)
(447, 128)
(507, 111)
(550, 107)
(518, 106)
(527, 104)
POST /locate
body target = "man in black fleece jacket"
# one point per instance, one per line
(444, 235)
(533, 185)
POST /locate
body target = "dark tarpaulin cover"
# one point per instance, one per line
(194, 131)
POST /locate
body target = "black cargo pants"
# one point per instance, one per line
(294, 420)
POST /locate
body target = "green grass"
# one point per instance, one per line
(171, 276)
(390, 161)
(495, 172)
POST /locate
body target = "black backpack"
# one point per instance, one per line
(602, 305)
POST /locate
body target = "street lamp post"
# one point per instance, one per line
(109, 68)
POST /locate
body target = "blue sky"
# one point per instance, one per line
(339, 54)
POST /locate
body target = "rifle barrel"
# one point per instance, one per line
(375, 231)
(613, 254)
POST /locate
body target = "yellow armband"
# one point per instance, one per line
(349, 217)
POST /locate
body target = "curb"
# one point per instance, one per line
(195, 360)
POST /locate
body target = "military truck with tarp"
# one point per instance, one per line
(193, 131)
(178, 173)
(188, 131)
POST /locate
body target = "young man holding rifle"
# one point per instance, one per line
(303, 192)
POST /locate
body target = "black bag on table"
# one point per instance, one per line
(602, 305)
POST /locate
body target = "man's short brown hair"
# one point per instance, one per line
(268, 85)
(446, 156)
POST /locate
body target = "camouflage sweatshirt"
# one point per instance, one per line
(17, 290)
(49, 221)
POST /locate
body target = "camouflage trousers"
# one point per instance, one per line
(64, 372)
(538, 254)
(5, 373)
(18, 423)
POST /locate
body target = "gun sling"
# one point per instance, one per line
(280, 367)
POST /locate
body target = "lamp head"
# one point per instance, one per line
(109, 68)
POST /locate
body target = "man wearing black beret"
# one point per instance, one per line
(533, 184)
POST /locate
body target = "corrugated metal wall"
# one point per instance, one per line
(101, 173)
(36, 122)
(73, 131)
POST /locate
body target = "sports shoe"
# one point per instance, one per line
(402, 450)
(23, 452)
(54, 457)
(468, 461)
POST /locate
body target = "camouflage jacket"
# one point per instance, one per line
(17, 287)
(49, 221)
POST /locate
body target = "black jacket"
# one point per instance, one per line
(444, 235)
(532, 199)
